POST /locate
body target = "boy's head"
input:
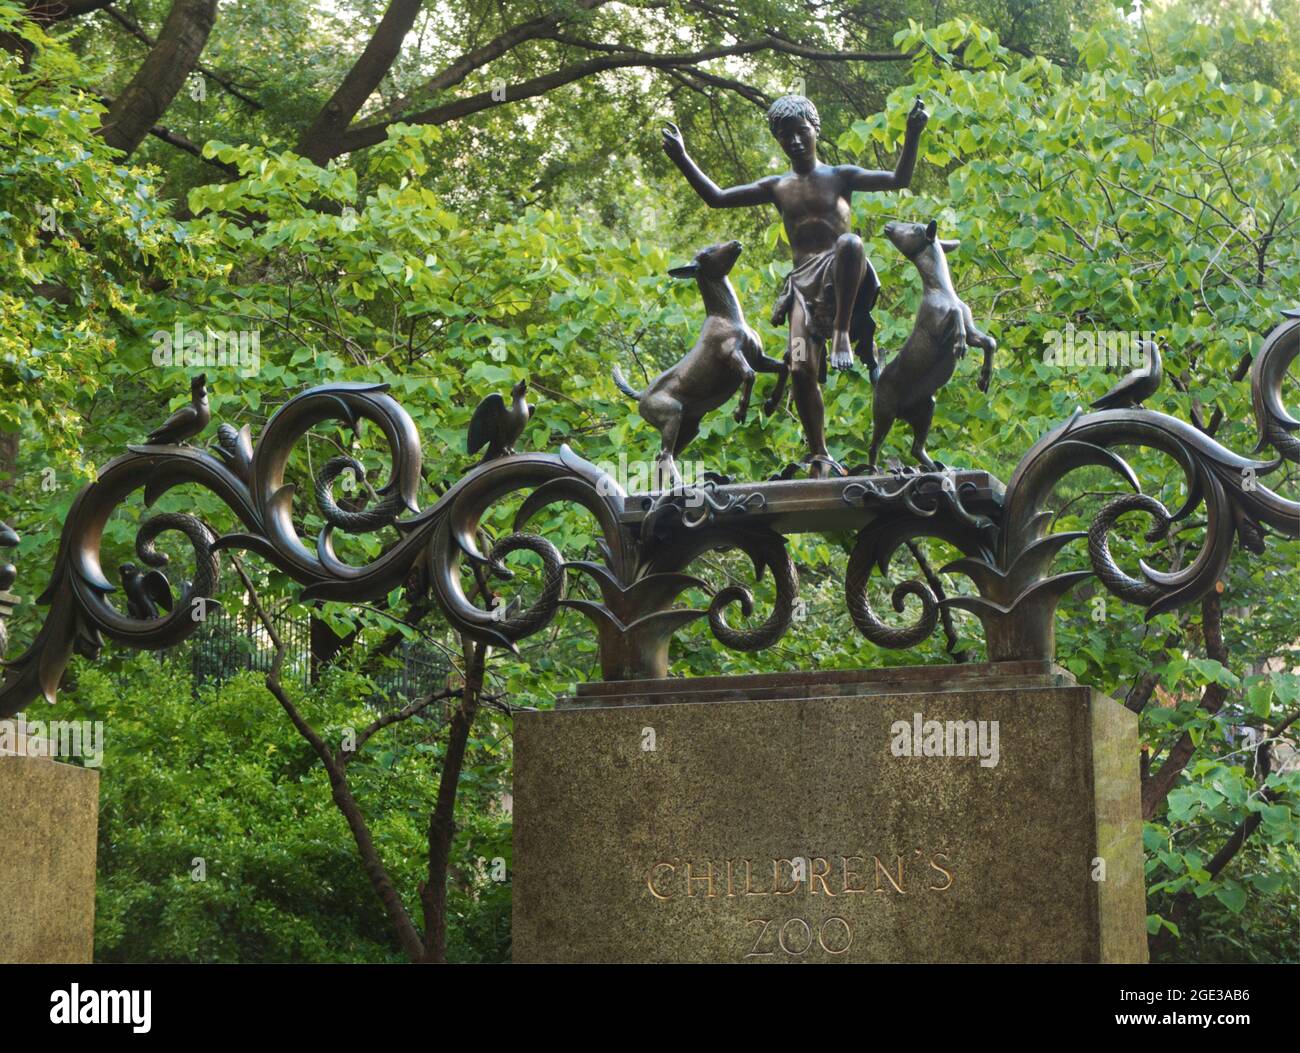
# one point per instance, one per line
(794, 123)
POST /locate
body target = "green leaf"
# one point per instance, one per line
(1232, 895)
(1259, 698)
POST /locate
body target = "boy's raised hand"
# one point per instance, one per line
(674, 146)
(916, 117)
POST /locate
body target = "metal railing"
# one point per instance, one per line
(235, 641)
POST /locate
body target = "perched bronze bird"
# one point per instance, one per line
(498, 426)
(187, 421)
(145, 593)
(1138, 386)
(8, 573)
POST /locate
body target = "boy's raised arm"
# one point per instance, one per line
(759, 193)
(865, 179)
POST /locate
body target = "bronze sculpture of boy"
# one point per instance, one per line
(828, 295)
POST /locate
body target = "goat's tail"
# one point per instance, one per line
(625, 387)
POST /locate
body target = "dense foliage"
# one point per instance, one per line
(219, 842)
(1104, 173)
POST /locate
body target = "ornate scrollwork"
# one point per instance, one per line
(636, 622)
(251, 481)
(1275, 425)
(8, 572)
(453, 525)
(1123, 585)
(516, 621)
(868, 623)
(691, 508)
(380, 515)
(1017, 595)
(648, 543)
(908, 506)
(923, 494)
(766, 550)
(1018, 598)
(1237, 504)
(8, 575)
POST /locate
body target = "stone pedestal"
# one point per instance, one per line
(940, 814)
(49, 818)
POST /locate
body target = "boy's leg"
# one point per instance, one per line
(868, 294)
(805, 361)
(850, 269)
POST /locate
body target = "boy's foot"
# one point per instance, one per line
(841, 350)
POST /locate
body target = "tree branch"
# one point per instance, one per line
(47, 12)
(612, 57)
(397, 716)
(442, 820)
(1156, 787)
(370, 68)
(1185, 899)
(182, 142)
(339, 788)
(136, 31)
(162, 74)
(700, 80)
(539, 28)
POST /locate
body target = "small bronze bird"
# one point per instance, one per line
(8, 572)
(8, 575)
(145, 593)
(498, 426)
(187, 421)
(1137, 386)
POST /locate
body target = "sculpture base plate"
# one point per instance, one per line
(778, 818)
(799, 506)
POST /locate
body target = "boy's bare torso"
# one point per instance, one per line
(815, 208)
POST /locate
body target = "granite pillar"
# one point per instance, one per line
(49, 817)
(939, 814)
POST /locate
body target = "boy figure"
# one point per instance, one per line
(828, 295)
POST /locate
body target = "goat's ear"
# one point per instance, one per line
(930, 229)
(689, 271)
(948, 245)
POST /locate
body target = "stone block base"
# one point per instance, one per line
(49, 818)
(940, 814)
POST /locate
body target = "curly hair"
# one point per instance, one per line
(788, 106)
